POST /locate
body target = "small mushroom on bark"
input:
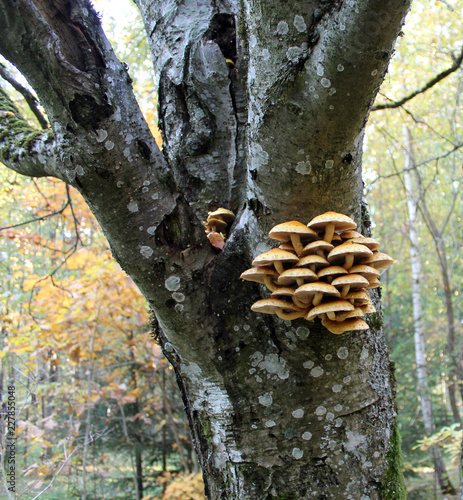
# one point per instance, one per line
(349, 325)
(346, 254)
(313, 293)
(282, 308)
(293, 231)
(277, 257)
(264, 275)
(331, 222)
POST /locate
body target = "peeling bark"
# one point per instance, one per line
(263, 107)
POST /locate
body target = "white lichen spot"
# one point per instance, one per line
(109, 145)
(321, 410)
(297, 453)
(126, 152)
(325, 83)
(376, 454)
(145, 189)
(266, 399)
(246, 328)
(340, 67)
(364, 353)
(80, 170)
(132, 206)
(374, 72)
(299, 413)
(332, 91)
(252, 41)
(355, 441)
(347, 379)
(336, 388)
(119, 184)
(338, 422)
(308, 364)
(140, 228)
(179, 308)
(282, 28)
(155, 196)
(265, 55)
(101, 135)
(300, 152)
(146, 251)
(307, 436)
(302, 332)
(270, 423)
(316, 372)
(128, 139)
(338, 408)
(329, 164)
(328, 357)
(320, 70)
(299, 24)
(303, 167)
(342, 353)
(330, 416)
(172, 283)
(367, 464)
(178, 296)
(294, 53)
(151, 230)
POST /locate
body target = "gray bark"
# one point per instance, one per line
(276, 409)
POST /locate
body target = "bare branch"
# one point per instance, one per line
(434, 81)
(26, 93)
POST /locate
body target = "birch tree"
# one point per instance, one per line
(262, 106)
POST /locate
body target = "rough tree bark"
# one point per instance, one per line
(277, 409)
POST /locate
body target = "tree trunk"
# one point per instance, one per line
(263, 108)
(419, 335)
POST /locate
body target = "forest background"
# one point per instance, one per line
(98, 411)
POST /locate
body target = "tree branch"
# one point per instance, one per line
(434, 81)
(26, 93)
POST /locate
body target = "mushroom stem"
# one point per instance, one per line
(299, 303)
(317, 299)
(349, 262)
(296, 241)
(345, 290)
(329, 232)
(278, 266)
(331, 315)
(300, 281)
(290, 315)
(269, 284)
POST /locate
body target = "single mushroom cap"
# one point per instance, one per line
(330, 309)
(349, 234)
(368, 308)
(215, 224)
(338, 327)
(378, 260)
(313, 262)
(217, 240)
(330, 272)
(371, 243)
(348, 281)
(356, 313)
(347, 253)
(374, 283)
(286, 291)
(367, 272)
(318, 247)
(277, 257)
(331, 222)
(282, 308)
(314, 292)
(264, 275)
(294, 231)
(222, 213)
(299, 275)
(359, 297)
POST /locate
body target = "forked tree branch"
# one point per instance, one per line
(434, 81)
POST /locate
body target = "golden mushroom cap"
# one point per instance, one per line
(222, 213)
(353, 280)
(257, 274)
(351, 324)
(359, 297)
(290, 276)
(275, 254)
(356, 313)
(307, 291)
(312, 260)
(374, 283)
(315, 246)
(334, 306)
(283, 291)
(216, 224)
(367, 272)
(283, 231)
(378, 260)
(270, 306)
(339, 253)
(350, 233)
(371, 243)
(331, 271)
(341, 222)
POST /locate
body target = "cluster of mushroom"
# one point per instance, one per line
(320, 270)
(216, 226)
